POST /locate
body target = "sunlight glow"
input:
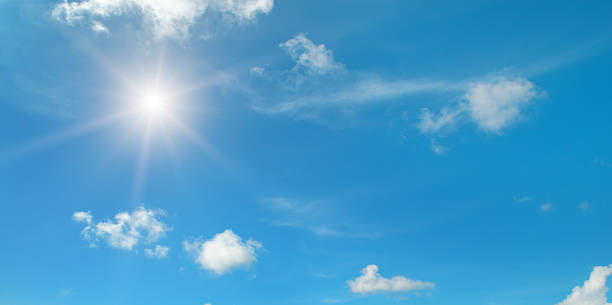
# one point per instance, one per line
(154, 104)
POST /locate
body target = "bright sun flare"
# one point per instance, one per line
(154, 104)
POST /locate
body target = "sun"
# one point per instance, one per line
(154, 104)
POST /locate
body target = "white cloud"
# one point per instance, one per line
(157, 252)
(372, 282)
(98, 27)
(497, 104)
(126, 230)
(225, 251)
(594, 290)
(165, 18)
(492, 106)
(312, 58)
(546, 207)
(82, 217)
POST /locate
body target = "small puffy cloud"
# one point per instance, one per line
(126, 230)
(312, 58)
(84, 217)
(157, 252)
(495, 105)
(225, 251)
(165, 18)
(546, 207)
(371, 281)
(594, 290)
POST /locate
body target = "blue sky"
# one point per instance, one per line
(305, 152)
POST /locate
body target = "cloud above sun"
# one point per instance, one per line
(163, 18)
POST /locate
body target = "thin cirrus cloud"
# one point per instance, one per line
(593, 291)
(164, 18)
(127, 230)
(314, 216)
(224, 252)
(371, 282)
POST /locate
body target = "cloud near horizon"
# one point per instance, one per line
(371, 281)
(164, 18)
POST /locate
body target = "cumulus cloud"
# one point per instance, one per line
(594, 290)
(126, 230)
(309, 57)
(371, 281)
(157, 252)
(546, 207)
(495, 105)
(224, 252)
(165, 18)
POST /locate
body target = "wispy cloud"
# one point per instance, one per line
(546, 207)
(490, 103)
(522, 199)
(314, 216)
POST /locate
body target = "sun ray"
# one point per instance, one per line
(65, 134)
